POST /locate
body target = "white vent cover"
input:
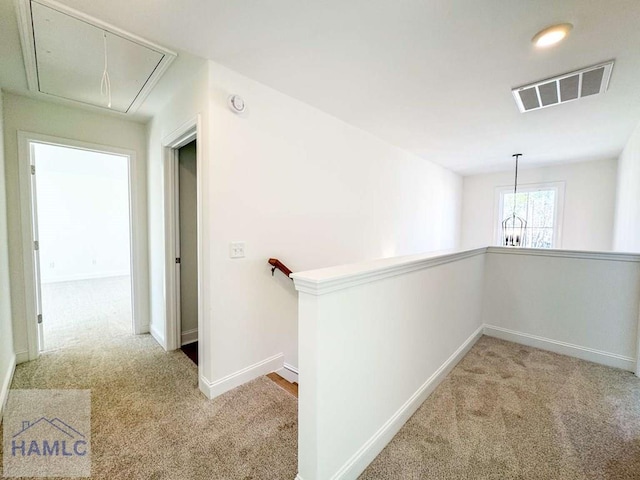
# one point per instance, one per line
(563, 88)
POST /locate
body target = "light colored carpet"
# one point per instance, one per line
(84, 310)
(150, 421)
(511, 412)
(505, 412)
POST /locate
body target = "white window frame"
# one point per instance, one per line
(499, 214)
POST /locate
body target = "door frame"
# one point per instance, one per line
(136, 247)
(186, 133)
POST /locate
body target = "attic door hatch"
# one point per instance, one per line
(564, 88)
(64, 54)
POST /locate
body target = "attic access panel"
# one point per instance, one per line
(564, 88)
(65, 57)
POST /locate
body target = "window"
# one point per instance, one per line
(540, 206)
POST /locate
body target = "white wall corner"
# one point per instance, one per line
(637, 365)
(218, 387)
(289, 373)
(155, 333)
(6, 384)
(22, 357)
(142, 329)
(370, 450)
(638, 352)
(563, 348)
(204, 384)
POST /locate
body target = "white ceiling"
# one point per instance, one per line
(433, 77)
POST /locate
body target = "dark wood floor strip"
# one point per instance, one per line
(191, 351)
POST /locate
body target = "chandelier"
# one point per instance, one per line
(513, 226)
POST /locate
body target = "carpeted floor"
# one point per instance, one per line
(150, 421)
(505, 412)
(512, 412)
(79, 311)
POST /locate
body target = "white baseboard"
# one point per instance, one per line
(158, 336)
(218, 387)
(85, 276)
(203, 384)
(141, 329)
(289, 373)
(22, 357)
(189, 336)
(6, 384)
(370, 450)
(564, 348)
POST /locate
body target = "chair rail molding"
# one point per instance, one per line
(327, 280)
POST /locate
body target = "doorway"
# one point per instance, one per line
(81, 217)
(81, 247)
(187, 240)
(171, 336)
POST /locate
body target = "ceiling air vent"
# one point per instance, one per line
(563, 88)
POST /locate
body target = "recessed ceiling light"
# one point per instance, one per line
(551, 35)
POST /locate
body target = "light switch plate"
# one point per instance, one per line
(236, 249)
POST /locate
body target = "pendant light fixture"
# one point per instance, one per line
(513, 226)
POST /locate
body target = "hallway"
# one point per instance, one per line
(149, 420)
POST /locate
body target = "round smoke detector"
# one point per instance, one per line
(236, 104)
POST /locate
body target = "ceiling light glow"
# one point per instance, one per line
(551, 35)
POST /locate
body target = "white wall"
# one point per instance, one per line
(294, 183)
(297, 184)
(375, 340)
(182, 108)
(7, 355)
(627, 225)
(35, 116)
(83, 213)
(585, 305)
(589, 199)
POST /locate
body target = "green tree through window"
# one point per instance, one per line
(537, 207)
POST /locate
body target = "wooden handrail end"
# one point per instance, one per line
(277, 264)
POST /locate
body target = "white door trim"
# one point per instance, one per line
(183, 135)
(637, 372)
(140, 325)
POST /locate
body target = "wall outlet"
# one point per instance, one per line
(236, 249)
